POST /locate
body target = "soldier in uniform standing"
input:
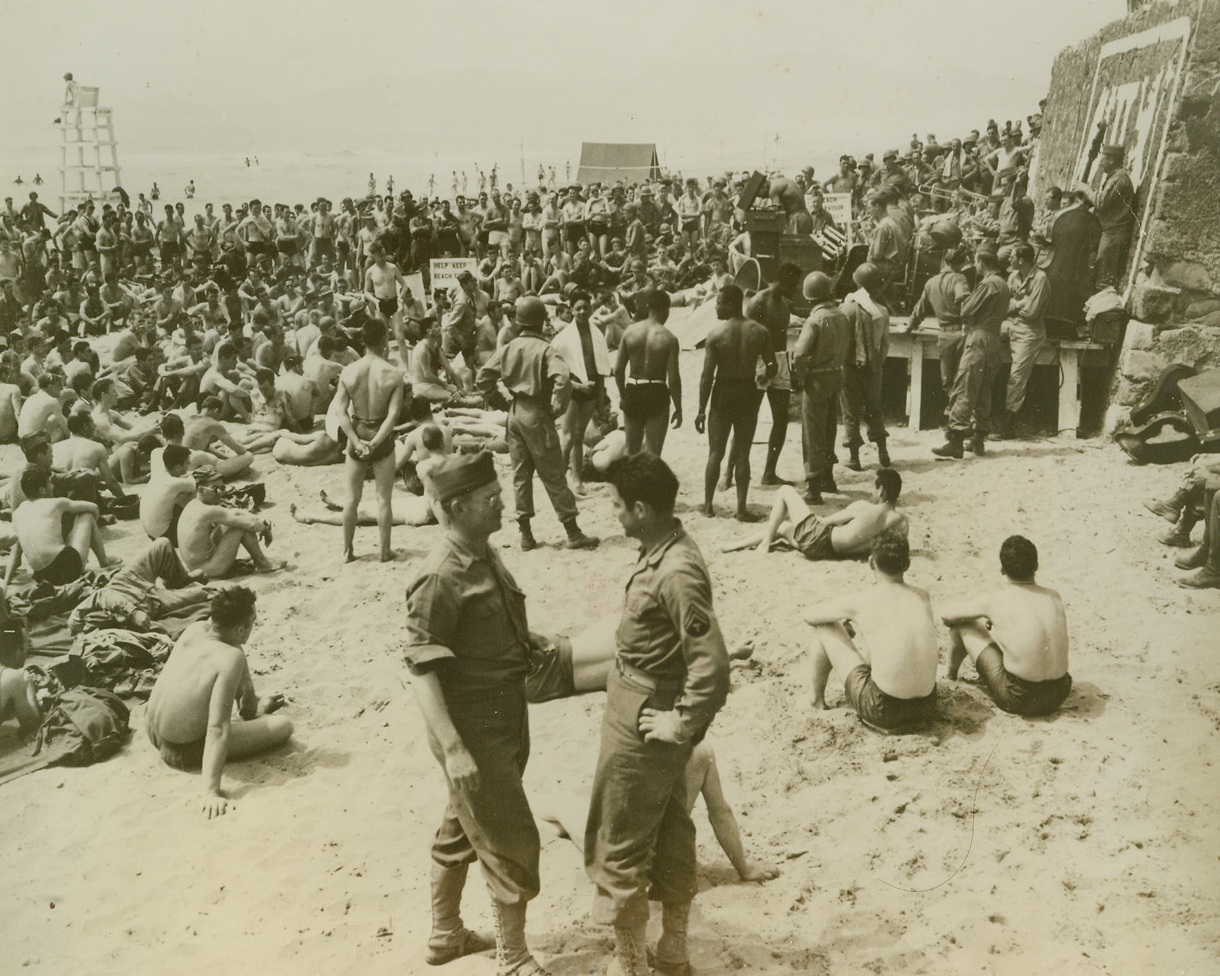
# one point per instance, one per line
(864, 367)
(983, 314)
(468, 644)
(671, 677)
(1116, 214)
(818, 369)
(534, 375)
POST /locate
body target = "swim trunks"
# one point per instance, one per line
(644, 401)
(367, 430)
(388, 306)
(812, 538)
(184, 756)
(63, 569)
(1017, 695)
(550, 672)
(735, 399)
(169, 251)
(884, 712)
(782, 380)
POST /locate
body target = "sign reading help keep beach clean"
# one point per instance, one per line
(838, 205)
(446, 270)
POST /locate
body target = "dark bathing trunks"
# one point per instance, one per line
(388, 306)
(367, 430)
(1017, 695)
(882, 711)
(642, 401)
(184, 756)
(63, 569)
(736, 399)
(550, 672)
(812, 538)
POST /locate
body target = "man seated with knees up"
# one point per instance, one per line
(190, 712)
(1016, 636)
(57, 555)
(843, 535)
(883, 641)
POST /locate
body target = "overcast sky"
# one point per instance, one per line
(707, 82)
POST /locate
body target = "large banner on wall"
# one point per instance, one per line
(1135, 88)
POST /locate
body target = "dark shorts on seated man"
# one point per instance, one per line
(65, 568)
(1017, 695)
(883, 712)
(184, 756)
(645, 399)
(812, 538)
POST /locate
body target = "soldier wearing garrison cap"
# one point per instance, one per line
(468, 647)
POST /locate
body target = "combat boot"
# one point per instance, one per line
(952, 447)
(577, 539)
(1170, 510)
(853, 462)
(883, 454)
(978, 444)
(528, 541)
(512, 954)
(450, 938)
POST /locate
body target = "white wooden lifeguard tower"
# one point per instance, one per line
(89, 160)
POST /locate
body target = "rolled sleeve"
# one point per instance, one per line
(432, 617)
(686, 595)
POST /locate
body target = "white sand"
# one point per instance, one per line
(1086, 843)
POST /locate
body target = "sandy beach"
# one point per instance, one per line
(1083, 843)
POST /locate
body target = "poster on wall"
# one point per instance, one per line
(1135, 88)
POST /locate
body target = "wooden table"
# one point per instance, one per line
(1070, 355)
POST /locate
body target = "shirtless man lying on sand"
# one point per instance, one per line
(843, 535)
(883, 641)
(190, 712)
(1016, 636)
(562, 668)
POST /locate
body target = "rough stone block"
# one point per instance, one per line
(1204, 306)
(1152, 302)
(1187, 274)
(1142, 365)
(1140, 335)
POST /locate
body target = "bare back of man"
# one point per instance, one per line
(843, 535)
(650, 351)
(370, 394)
(728, 388)
(772, 308)
(892, 631)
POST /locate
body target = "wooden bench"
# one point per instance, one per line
(920, 345)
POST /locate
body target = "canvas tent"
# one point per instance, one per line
(606, 162)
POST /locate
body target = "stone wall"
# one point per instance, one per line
(1173, 285)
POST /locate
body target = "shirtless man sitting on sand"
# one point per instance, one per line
(17, 700)
(367, 403)
(883, 641)
(652, 352)
(203, 432)
(843, 535)
(1016, 636)
(190, 712)
(209, 535)
(56, 555)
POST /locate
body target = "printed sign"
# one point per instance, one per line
(446, 270)
(838, 205)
